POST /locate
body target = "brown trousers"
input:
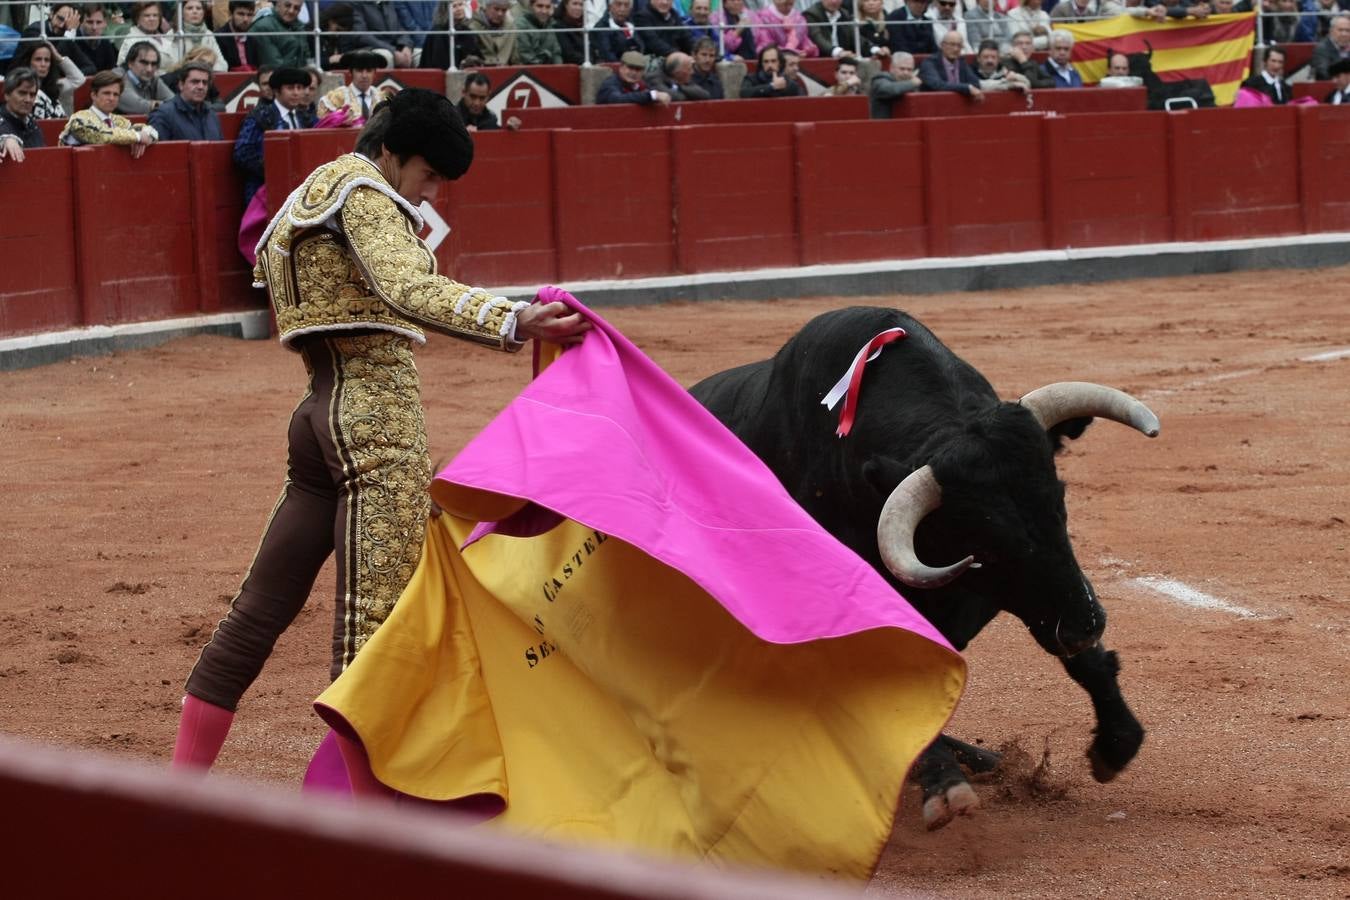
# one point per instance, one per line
(357, 477)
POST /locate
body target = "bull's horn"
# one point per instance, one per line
(1066, 400)
(915, 497)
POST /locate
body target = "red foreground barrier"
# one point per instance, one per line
(709, 112)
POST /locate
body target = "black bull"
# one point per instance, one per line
(938, 469)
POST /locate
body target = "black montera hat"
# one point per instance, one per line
(288, 75)
(424, 123)
(361, 59)
(1340, 67)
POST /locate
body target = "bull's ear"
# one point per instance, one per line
(883, 473)
(1070, 428)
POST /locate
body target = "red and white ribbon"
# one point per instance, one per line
(852, 380)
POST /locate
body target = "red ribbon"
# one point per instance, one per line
(846, 415)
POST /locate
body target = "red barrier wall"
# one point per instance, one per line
(1107, 179)
(613, 203)
(1318, 90)
(707, 112)
(1235, 173)
(860, 191)
(1324, 158)
(134, 229)
(986, 185)
(734, 197)
(40, 288)
(937, 104)
(224, 277)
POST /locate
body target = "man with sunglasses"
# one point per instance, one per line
(142, 89)
(945, 21)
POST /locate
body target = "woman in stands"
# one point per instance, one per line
(100, 123)
(197, 34)
(734, 22)
(55, 73)
(876, 40)
(568, 22)
(148, 20)
(768, 80)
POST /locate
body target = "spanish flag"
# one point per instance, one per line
(625, 633)
(1217, 49)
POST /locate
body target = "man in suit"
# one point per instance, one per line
(1340, 71)
(1335, 47)
(240, 53)
(911, 31)
(626, 85)
(947, 71)
(615, 34)
(1058, 66)
(286, 111)
(96, 53)
(1270, 80)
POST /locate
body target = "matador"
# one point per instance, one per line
(353, 288)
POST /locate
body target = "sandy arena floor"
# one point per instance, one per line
(136, 486)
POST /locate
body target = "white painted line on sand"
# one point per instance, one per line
(1342, 353)
(1189, 596)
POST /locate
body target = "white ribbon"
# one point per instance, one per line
(841, 386)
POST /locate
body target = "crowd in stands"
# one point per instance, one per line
(158, 58)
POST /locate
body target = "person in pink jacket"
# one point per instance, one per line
(782, 26)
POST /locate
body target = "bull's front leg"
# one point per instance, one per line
(1118, 734)
(946, 793)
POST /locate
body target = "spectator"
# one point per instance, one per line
(99, 124)
(568, 26)
(625, 86)
(1085, 10)
(910, 28)
(738, 40)
(1144, 9)
(189, 116)
(285, 112)
(142, 89)
(18, 127)
(311, 100)
(984, 22)
(615, 34)
(993, 76)
(780, 25)
(148, 22)
(416, 18)
(62, 20)
(436, 50)
(263, 81)
(359, 96)
(95, 53)
(336, 23)
(662, 29)
(889, 86)
(1057, 66)
(1270, 80)
(846, 80)
(196, 33)
(1118, 73)
(792, 70)
(832, 29)
(537, 44)
(473, 105)
(1031, 18)
(1321, 12)
(55, 73)
(699, 23)
(1286, 25)
(768, 80)
(945, 20)
(1336, 47)
(239, 52)
(496, 45)
(388, 40)
(946, 71)
(281, 39)
(1340, 95)
(875, 36)
(1021, 61)
(705, 68)
(203, 56)
(675, 76)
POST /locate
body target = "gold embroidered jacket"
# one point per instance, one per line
(87, 127)
(343, 253)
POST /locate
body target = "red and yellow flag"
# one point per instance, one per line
(1217, 49)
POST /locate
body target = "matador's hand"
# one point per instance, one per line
(552, 321)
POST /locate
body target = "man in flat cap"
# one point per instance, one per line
(359, 96)
(285, 111)
(354, 289)
(626, 85)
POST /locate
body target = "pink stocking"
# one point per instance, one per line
(363, 780)
(201, 733)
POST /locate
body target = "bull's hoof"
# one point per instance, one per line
(957, 800)
(1102, 771)
(1111, 752)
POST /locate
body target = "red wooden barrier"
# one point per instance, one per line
(1091, 100)
(733, 197)
(986, 185)
(501, 213)
(1318, 90)
(860, 191)
(224, 277)
(1296, 56)
(1324, 158)
(529, 87)
(134, 233)
(941, 104)
(1221, 192)
(613, 203)
(1107, 179)
(706, 112)
(40, 288)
